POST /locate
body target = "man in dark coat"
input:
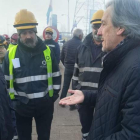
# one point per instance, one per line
(33, 79)
(117, 104)
(68, 56)
(88, 62)
(54, 46)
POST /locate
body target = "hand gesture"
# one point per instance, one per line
(76, 98)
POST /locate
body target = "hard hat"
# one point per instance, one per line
(2, 41)
(6, 36)
(96, 19)
(49, 30)
(25, 20)
(14, 37)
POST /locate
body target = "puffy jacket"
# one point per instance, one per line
(117, 104)
(6, 126)
(30, 79)
(69, 52)
(88, 62)
(54, 46)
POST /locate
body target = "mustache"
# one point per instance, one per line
(29, 41)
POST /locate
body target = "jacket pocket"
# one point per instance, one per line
(111, 91)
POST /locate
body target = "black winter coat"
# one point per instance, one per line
(88, 62)
(6, 126)
(117, 110)
(69, 52)
(55, 47)
(30, 79)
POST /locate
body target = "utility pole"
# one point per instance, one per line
(87, 17)
(77, 17)
(68, 18)
(93, 4)
(104, 4)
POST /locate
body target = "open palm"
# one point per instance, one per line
(76, 98)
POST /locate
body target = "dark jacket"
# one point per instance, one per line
(69, 52)
(30, 79)
(117, 110)
(88, 62)
(55, 47)
(6, 126)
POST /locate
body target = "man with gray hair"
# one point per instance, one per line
(117, 104)
(68, 59)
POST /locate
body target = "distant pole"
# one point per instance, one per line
(93, 4)
(104, 4)
(68, 18)
(7, 27)
(87, 22)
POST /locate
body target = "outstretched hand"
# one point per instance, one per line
(76, 98)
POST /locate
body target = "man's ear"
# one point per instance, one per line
(120, 31)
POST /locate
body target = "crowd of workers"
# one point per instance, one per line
(103, 69)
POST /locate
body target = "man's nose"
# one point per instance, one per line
(99, 33)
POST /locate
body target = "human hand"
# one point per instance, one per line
(76, 98)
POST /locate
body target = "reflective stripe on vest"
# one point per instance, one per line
(47, 55)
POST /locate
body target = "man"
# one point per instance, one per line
(14, 40)
(117, 115)
(88, 62)
(68, 59)
(2, 49)
(33, 79)
(52, 44)
(3, 45)
(6, 126)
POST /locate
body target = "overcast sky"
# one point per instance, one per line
(9, 8)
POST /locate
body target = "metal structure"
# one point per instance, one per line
(77, 16)
(88, 6)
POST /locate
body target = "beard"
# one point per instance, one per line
(31, 43)
(96, 37)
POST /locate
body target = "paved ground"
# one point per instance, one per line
(65, 126)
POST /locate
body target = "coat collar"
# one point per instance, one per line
(115, 56)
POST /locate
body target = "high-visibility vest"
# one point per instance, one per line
(11, 46)
(47, 55)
